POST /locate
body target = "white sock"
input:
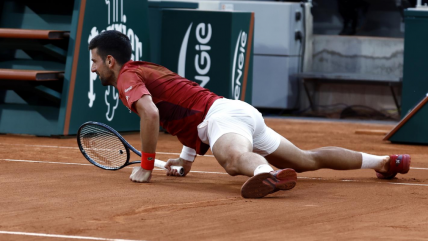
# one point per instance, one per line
(264, 168)
(372, 161)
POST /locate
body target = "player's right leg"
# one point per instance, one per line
(228, 128)
(234, 152)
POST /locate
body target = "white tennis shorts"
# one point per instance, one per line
(235, 116)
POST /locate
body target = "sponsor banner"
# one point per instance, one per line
(91, 100)
(212, 48)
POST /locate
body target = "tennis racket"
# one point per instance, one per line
(104, 147)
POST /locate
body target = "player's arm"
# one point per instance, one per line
(149, 123)
(185, 160)
(149, 132)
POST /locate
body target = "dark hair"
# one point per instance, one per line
(114, 43)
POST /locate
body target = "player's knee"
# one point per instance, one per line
(231, 167)
(308, 162)
(312, 162)
(231, 170)
(230, 159)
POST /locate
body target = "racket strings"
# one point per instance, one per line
(103, 147)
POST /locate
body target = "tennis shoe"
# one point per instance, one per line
(397, 164)
(263, 184)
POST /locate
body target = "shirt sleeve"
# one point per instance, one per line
(133, 88)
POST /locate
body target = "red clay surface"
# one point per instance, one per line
(83, 200)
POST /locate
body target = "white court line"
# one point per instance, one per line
(311, 178)
(87, 164)
(71, 147)
(408, 184)
(63, 236)
(165, 153)
(419, 168)
(31, 161)
(346, 180)
(67, 147)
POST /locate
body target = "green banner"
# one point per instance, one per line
(415, 84)
(91, 100)
(212, 48)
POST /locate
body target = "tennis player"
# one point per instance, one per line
(236, 132)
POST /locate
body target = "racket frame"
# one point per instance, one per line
(124, 142)
(127, 148)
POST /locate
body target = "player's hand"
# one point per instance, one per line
(177, 162)
(140, 174)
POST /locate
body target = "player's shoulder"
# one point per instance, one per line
(128, 75)
(143, 66)
(132, 66)
(138, 64)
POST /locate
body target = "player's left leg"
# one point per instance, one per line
(281, 153)
(287, 155)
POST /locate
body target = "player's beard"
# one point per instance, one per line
(106, 79)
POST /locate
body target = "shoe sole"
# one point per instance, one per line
(264, 184)
(385, 176)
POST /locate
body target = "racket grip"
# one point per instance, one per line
(180, 170)
(161, 164)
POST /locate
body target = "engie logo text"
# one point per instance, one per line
(238, 64)
(202, 59)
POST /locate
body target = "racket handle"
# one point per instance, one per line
(161, 164)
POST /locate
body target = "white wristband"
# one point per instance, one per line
(188, 154)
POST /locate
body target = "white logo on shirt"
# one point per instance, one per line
(127, 98)
(130, 88)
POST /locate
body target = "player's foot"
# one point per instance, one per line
(266, 183)
(397, 164)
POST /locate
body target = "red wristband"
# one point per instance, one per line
(148, 160)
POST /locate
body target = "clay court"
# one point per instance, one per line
(51, 192)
